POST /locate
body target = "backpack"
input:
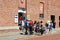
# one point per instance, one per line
(26, 23)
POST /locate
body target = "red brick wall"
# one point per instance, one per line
(51, 7)
(22, 5)
(33, 9)
(8, 9)
(54, 9)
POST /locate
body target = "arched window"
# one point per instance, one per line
(41, 15)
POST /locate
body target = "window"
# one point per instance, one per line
(41, 7)
(41, 15)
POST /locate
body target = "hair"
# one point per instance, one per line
(41, 22)
(35, 22)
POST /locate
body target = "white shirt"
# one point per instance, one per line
(22, 23)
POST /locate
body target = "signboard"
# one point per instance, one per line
(16, 19)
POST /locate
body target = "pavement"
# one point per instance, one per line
(15, 35)
(12, 35)
(51, 35)
(46, 37)
(8, 27)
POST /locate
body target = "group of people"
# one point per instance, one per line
(30, 27)
(26, 26)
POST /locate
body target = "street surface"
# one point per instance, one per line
(47, 37)
(12, 35)
(15, 34)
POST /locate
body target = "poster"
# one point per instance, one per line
(16, 19)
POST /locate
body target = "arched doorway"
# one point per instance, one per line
(22, 14)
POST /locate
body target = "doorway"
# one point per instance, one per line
(53, 20)
(22, 15)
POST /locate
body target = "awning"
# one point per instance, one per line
(23, 10)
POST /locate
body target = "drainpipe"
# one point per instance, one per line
(26, 7)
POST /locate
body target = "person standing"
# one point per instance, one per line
(20, 23)
(20, 20)
(31, 27)
(46, 29)
(51, 26)
(42, 28)
(23, 26)
(26, 27)
(46, 25)
(37, 27)
(35, 23)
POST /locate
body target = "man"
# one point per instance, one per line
(20, 24)
(26, 27)
(51, 26)
(31, 27)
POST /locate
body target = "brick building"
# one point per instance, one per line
(34, 9)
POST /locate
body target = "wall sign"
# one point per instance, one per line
(16, 19)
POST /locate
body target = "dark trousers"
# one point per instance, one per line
(26, 29)
(30, 30)
(42, 31)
